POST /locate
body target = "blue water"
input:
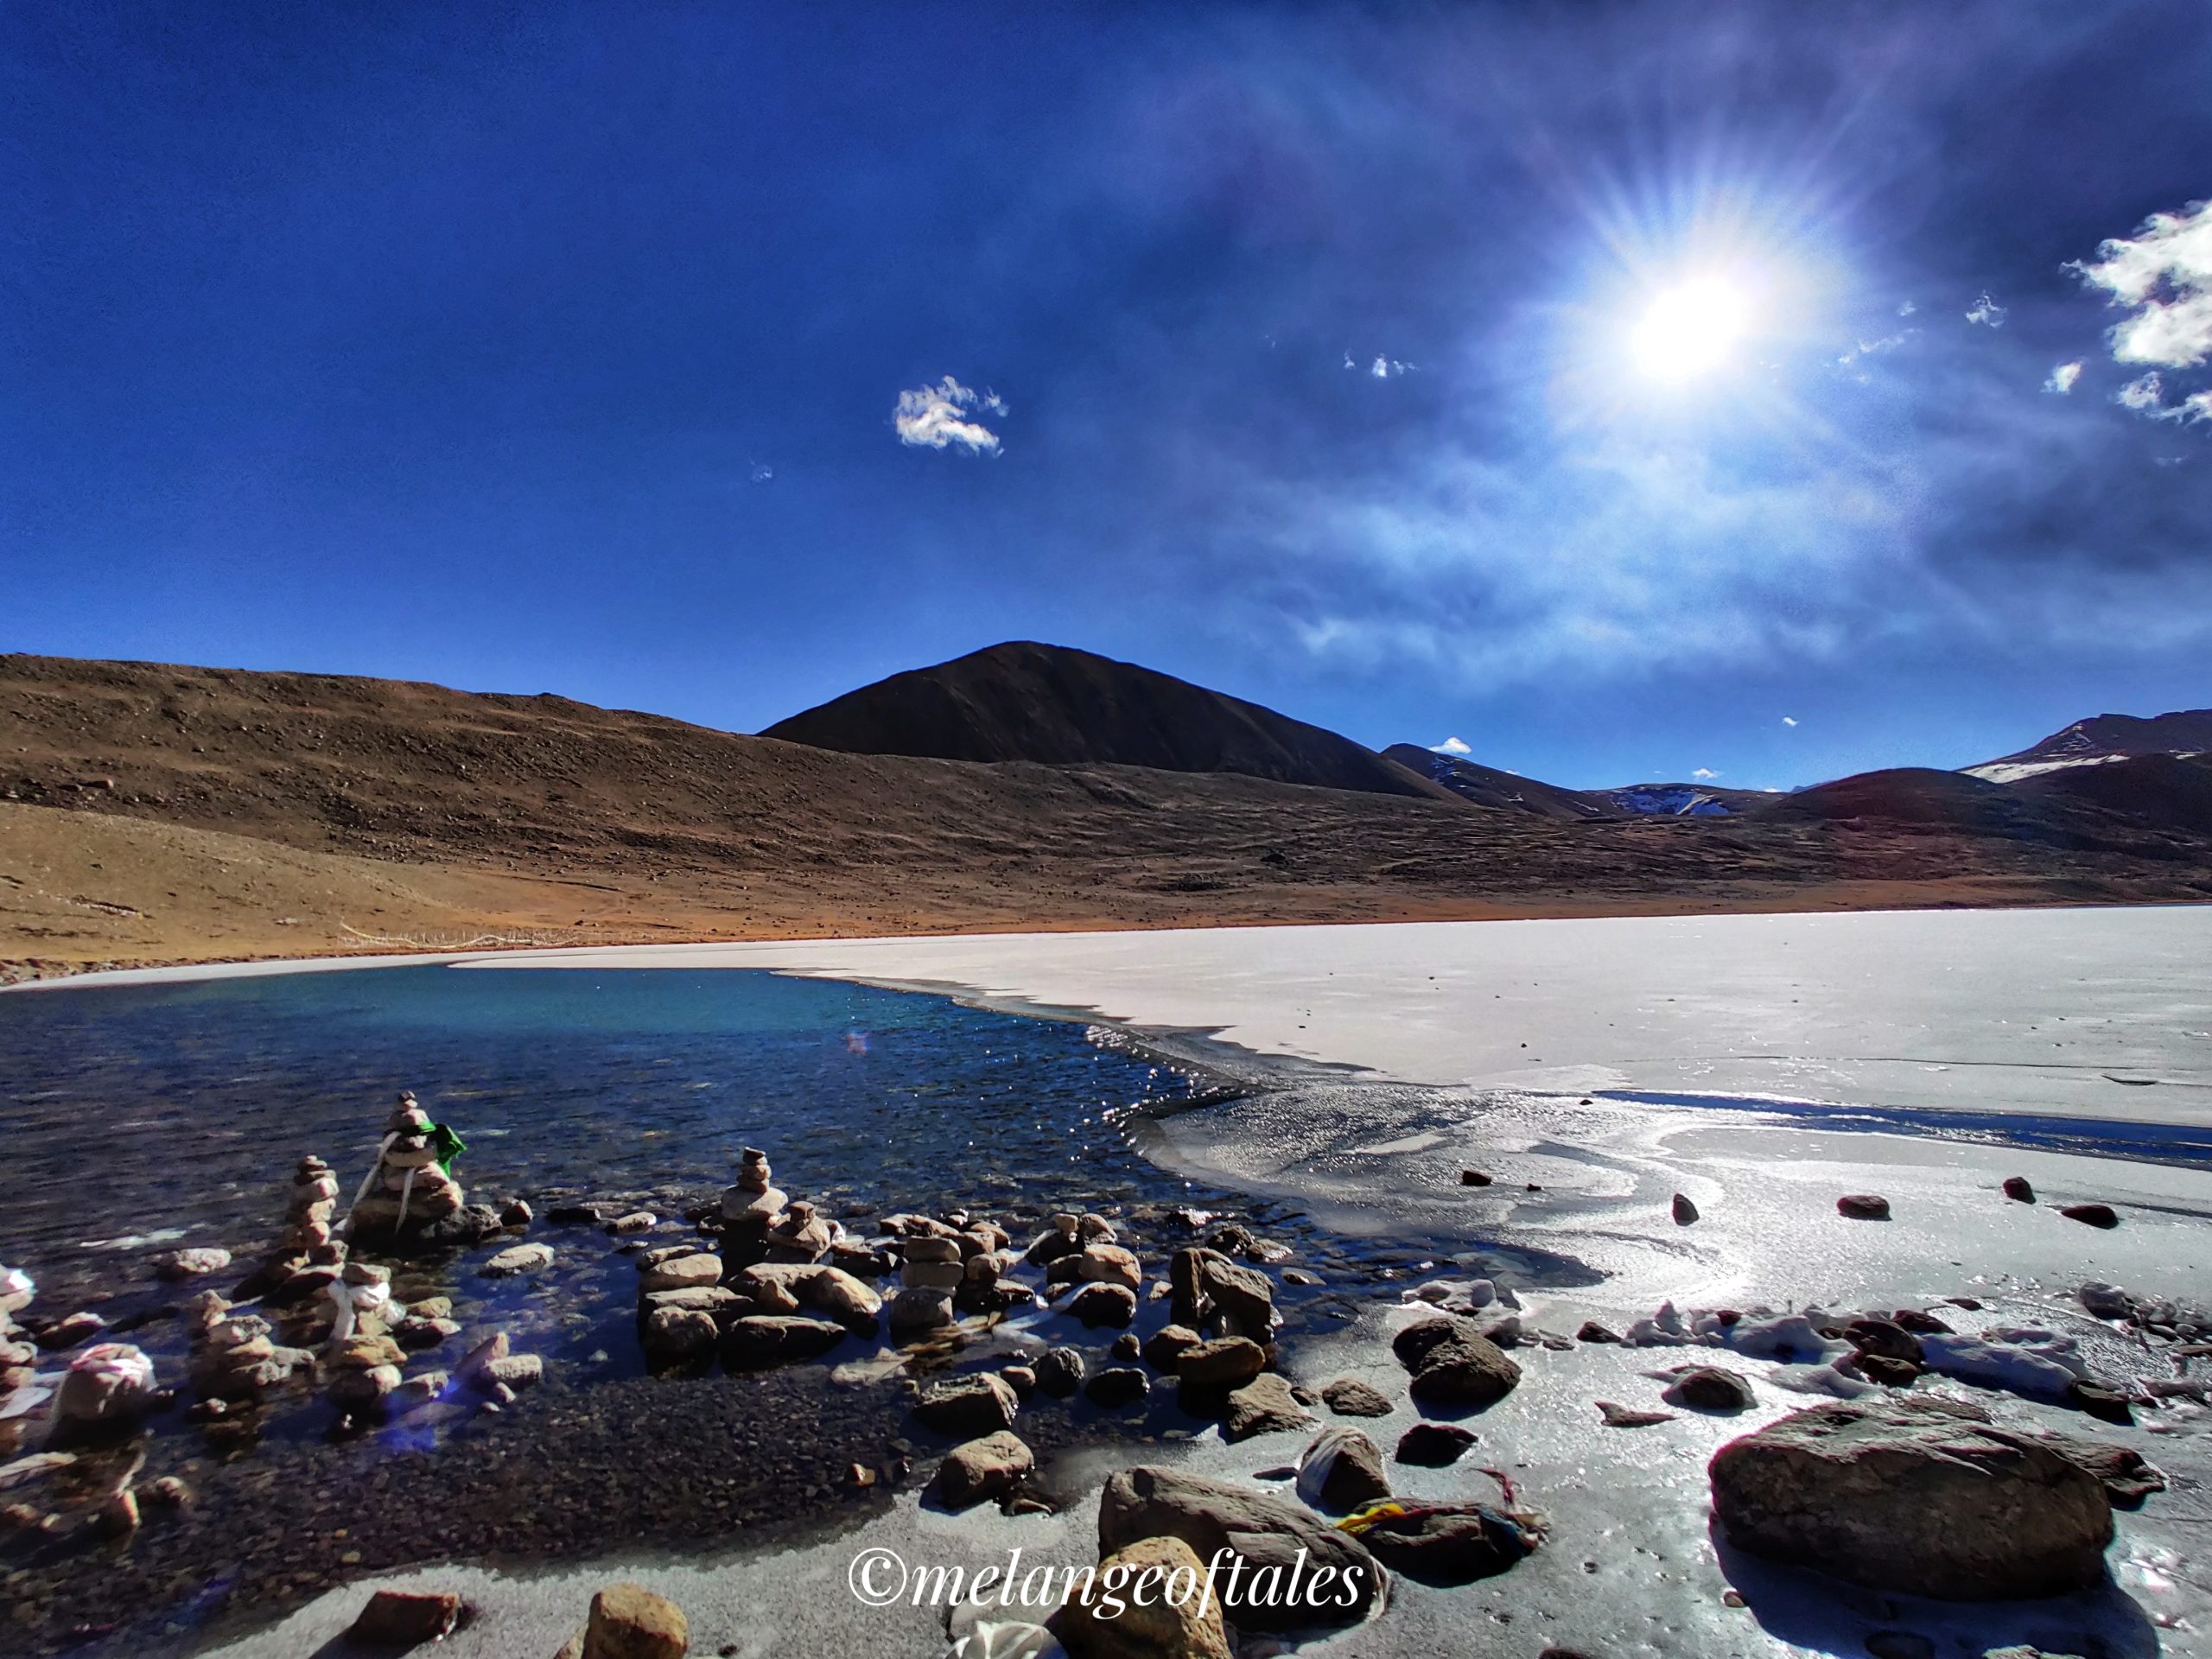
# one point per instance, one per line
(180, 1109)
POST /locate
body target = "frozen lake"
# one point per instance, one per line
(2086, 1013)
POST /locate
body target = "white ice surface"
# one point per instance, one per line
(2007, 1011)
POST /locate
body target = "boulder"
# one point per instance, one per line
(1342, 1469)
(2019, 1188)
(718, 1303)
(629, 1621)
(1862, 1206)
(1060, 1372)
(1096, 1305)
(969, 1406)
(1917, 1497)
(406, 1619)
(1117, 1387)
(1709, 1388)
(1164, 1348)
(1106, 1620)
(1204, 1283)
(1685, 1211)
(1263, 1405)
(692, 1270)
(760, 1340)
(1224, 1362)
(915, 1312)
(1337, 1580)
(1884, 1338)
(1457, 1368)
(985, 1468)
(1349, 1397)
(1433, 1446)
(1108, 1264)
(2091, 1215)
(830, 1292)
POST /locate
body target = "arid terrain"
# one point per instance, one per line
(150, 813)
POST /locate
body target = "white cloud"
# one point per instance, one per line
(761, 471)
(1384, 367)
(2143, 395)
(1907, 308)
(1987, 312)
(1790, 720)
(2063, 378)
(1451, 746)
(2164, 274)
(1875, 347)
(1704, 773)
(935, 417)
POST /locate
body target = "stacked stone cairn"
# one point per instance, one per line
(409, 1198)
(752, 1206)
(234, 1357)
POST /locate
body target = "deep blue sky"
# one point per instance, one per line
(544, 347)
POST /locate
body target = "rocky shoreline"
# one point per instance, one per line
(768, 1338)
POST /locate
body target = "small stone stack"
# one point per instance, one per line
(234, 1357)
(313, 1207)
(306, 1259)
(410, 1194)
(751, 1206)
(801, 1236)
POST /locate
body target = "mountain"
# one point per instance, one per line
(1056, 706)
(2101, 739)
(1488, 786)
(2172, 791)
(153, 812)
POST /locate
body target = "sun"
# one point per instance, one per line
(1692, 328)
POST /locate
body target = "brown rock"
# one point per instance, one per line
(2091, 1215)
(1862, 1206)
(1165, 1623)
(405, 1618)
(1433, 1446)
(967, 1407)
(629, 1621)
(1263, 1405)
(1914, 1498)
(1338, 1580)
(989, 1467)
(1349, 1397)
(1225, 1363)
(1164, 1348)
(1096, 1305)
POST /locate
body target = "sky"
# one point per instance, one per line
(1755, 392)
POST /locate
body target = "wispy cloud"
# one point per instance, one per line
(2063, 378)
(1384, 367)
(1987, 313)
(2162, 273)
(1451, 746)
(939, 417)
(1705, 774)
(1790, 720)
